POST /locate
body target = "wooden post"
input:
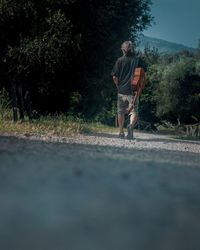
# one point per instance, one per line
(116, 121)
(14, 100)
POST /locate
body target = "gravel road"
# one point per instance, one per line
(98, 192)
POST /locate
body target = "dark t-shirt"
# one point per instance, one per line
(123, 69)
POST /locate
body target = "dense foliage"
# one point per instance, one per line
(173, 90)
(63, 51)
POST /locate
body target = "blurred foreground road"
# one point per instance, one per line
(70, 196)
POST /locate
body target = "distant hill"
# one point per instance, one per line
(163, 46)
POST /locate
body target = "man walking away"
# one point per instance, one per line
(122, 73)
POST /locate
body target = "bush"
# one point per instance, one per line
(5, 105)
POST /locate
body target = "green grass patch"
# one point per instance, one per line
(53, 125)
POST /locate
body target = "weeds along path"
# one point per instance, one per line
(97, 192)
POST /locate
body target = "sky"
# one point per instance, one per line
(176, 21)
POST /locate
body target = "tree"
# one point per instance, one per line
(44, 42)
(178, 96)
(41, 47)
(106, 25)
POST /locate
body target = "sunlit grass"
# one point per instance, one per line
(52, 125)
(67, 126)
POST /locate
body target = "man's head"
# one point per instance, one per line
(127, 48)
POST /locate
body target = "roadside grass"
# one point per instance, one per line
(52, 125)
(188, 138)
(176, 133)
(62, 125)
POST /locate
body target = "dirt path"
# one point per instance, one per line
(99, 193)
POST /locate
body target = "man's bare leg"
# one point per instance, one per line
(121, 123)
(133, 120)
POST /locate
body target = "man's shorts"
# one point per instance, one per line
(124, 103)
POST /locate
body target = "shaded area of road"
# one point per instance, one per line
(85, 197)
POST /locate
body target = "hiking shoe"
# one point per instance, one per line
(121, 135)
(130, 132)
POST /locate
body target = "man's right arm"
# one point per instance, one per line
(116, 81)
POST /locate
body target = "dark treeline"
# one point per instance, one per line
(62, 51)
